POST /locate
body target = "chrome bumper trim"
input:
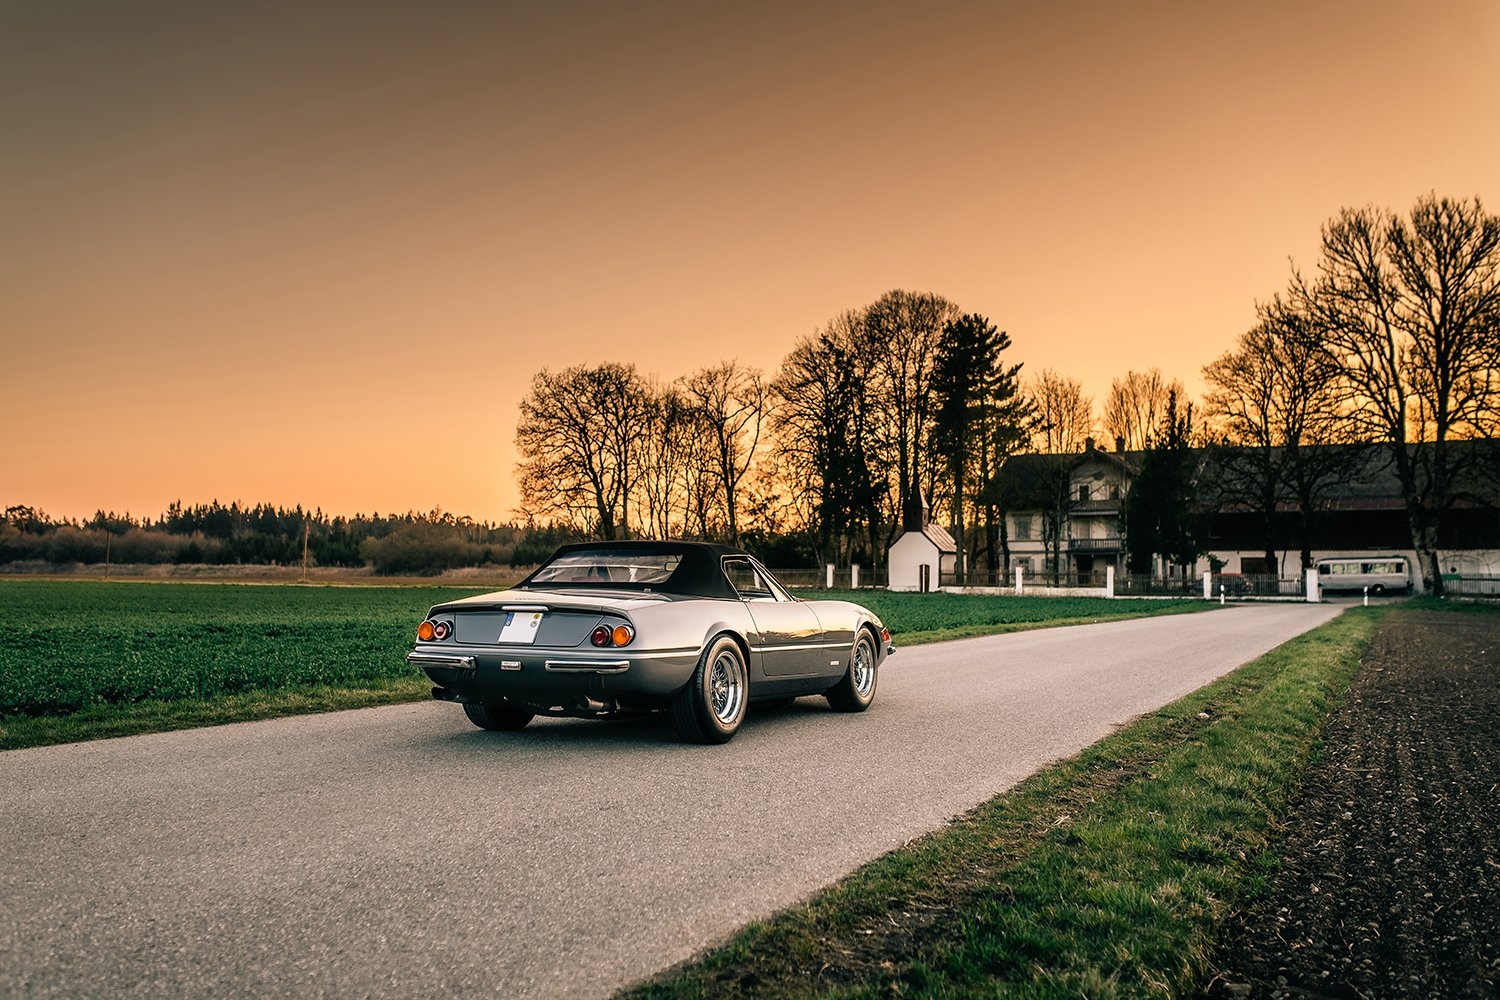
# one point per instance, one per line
(440, 660)
(588, 666)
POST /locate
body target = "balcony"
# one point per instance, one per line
(1107, 545)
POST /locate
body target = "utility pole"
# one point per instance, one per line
(306, 530)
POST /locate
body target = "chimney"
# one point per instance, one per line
(1120, 444)
(1088, 444)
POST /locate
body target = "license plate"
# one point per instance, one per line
(520, 627)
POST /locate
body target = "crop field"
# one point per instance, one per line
(93, 652)
(67, 646)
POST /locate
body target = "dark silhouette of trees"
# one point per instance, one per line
(1410, 310)
(613, 454)
(821, 421)
(1134, 407)
(674, 492)
(731, 404)
(1161, 512)
(264, 535)
(580, 435)
(1274, 401)
(1062, 423)
(900, 332)
(979, 420)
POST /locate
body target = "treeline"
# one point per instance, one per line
(1393, 341)
(263, 535)
(903, 401)
(910, 401)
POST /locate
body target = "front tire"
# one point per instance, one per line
(855, 691)
(498, 717)
(712, 705)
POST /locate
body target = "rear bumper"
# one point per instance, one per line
(546, 678)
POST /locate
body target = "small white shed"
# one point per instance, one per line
(922, 554)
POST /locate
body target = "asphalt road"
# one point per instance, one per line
(399, 852)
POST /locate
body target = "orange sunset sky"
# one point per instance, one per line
(313, 252)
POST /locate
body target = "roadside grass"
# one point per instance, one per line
(1461, 605)
(85, 659)
(1105, 876)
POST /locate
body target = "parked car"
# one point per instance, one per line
(1233, 584)
(604, 629)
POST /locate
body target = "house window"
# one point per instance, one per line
(1114, 491)
(1083, 492)
(1023, 527)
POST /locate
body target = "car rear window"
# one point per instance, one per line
(604, 567)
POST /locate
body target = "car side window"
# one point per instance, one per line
(748, 581)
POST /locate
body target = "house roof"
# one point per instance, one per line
(940, 537)
(1030, 482)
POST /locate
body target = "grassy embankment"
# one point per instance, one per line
(85, 659)
(1104, 876)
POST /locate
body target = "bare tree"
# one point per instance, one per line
(901, 331)
(1275, 403)
(673, 487)
(820, 422)
(731, 402)
(1063, 421)
(1410, 307)
(579, 439)
(1136, 405)
(1064, 415)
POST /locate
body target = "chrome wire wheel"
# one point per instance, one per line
(856, 689)
(862, 669)
(726, 686)
(711, 705)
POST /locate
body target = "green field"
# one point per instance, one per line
(82, 659)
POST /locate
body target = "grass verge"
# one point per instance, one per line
(1104, 876)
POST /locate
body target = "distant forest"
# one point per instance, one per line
(237, 534)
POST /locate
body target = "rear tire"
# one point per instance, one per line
(498, 717)
(710, 708)
(855, 691)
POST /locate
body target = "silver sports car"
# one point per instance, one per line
(617, 628)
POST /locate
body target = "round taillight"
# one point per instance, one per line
(426, 631)
(622, 635)
(601, 635)
(442, 630)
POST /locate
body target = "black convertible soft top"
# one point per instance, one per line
(698, 573)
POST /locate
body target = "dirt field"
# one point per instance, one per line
(1390, 882)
